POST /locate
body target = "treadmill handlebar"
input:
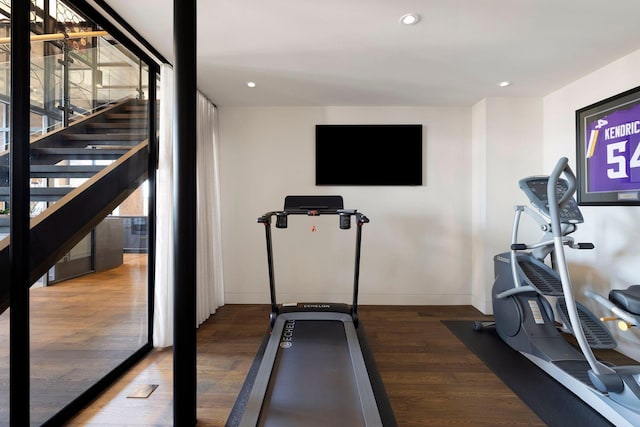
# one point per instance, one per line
(345, 223)
(345, 215)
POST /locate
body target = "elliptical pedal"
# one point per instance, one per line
(598, 336)
(540, 275)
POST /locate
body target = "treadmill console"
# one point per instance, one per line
(535, 188)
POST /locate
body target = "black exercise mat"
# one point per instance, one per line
(552, 402)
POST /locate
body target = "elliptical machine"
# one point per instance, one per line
(524, 288)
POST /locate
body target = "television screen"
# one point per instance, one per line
(369, 154)
(608, 151)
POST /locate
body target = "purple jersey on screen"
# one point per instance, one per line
(612, 151)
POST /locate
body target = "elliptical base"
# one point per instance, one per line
(618, 414)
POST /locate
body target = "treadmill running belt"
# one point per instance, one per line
(313, 382)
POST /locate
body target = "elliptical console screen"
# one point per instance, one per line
(536, 190)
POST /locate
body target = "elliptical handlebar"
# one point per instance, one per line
(562, 167)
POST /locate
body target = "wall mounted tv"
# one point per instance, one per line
(608, 151)
(389, 154)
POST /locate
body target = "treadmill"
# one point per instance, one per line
(314, 367)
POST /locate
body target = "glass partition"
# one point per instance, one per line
(89, 311)
(84, 327)
(90, 314)
(88, 112)
(5, 66)
(4, 368)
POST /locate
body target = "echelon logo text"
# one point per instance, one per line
(287, 334)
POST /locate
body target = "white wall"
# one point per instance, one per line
(506, 140)
(615, 231)
(416, 249)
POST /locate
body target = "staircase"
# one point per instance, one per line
(117, 133)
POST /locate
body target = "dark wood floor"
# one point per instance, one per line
(83, 327)
(430, 376)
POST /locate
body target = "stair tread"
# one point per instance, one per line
(118, 125)
(40, 168)
(105, 136)
(40, 194)
(40, 191)
(61, 171)
(125, 116)
(94, 152)
(83, 150)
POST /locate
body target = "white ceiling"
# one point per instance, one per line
(355, 52)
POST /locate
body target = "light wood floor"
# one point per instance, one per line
(80, 330)
(430, 376)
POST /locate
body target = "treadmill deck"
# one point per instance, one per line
(312, 373)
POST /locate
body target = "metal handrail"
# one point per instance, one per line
(58, 36)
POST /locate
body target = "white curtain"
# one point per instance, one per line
(163, 298)
(210, 291)
(209, 275)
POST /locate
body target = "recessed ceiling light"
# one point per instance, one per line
(251, 84)
(504, 83)
(410, 19)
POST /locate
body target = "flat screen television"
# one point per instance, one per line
(385, 154)
(608, 151)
